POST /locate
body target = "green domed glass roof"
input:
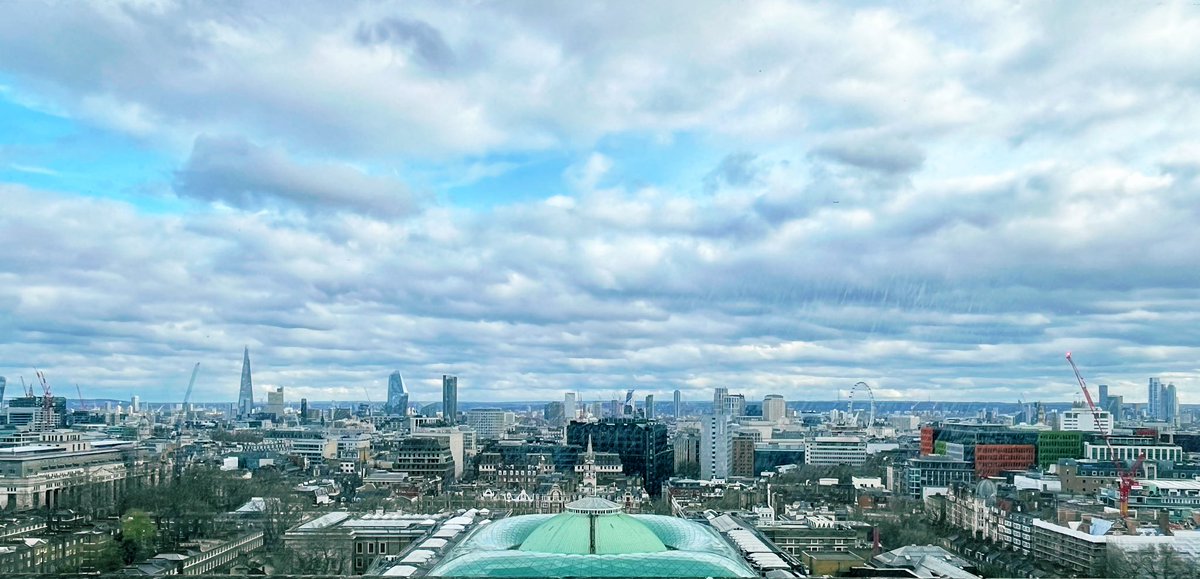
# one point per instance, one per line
(503, 548)
(593, 526)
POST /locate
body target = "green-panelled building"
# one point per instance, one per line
(1055, 444)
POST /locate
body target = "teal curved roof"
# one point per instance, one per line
(498, 549)
(572, 533)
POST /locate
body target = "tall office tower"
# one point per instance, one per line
(720, 402)
(569, 411)
(597, 409)
(1116, 407)
(649, 406)
(246, 392)
(1171, 405)
(552, 412)
(1103, 402)
(774, 408)
(716, 446)
(275, 402)
(450, 399)
(3, 383)
(135, 404)
(397, 402)
(1154, 399)
(678, 409)
(304, 411)
(736, 404)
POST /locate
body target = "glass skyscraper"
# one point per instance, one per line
(450, 399)
(246, 392)
(397, 396)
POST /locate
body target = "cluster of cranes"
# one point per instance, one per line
(48, 397)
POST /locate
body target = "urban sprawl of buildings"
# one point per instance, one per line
(726, 487)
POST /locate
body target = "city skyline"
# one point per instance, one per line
(780, 198)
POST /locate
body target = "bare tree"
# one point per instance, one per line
(1151, 562)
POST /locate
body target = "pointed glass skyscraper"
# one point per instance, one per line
(397, 401)
(246, 393)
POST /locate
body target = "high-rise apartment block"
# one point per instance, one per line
(716, 446)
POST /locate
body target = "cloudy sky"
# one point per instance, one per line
(937, 198)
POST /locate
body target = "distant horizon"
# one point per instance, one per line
(639, 402)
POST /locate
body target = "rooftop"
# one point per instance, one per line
(593, 538)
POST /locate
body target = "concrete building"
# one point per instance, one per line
(488, 423)
(425, 458)
(904, 422)
(774, 408)
(461, 444)
(354, 543)
(833, 450)
(62, 465)
(1084, 420)
(1080, 552)
(1128, 449)
(737, 404)
(570, 406)
(686, 446)
(716, 446)
(275, 402)
(649, 406)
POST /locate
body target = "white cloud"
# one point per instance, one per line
(938, 200)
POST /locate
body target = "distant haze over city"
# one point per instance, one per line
(777, 198)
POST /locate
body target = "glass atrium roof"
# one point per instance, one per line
(563, 545)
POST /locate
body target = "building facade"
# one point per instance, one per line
(716, 445)
(774, 408)
(397, 396)
(246, 388)
(642, 445)
(836, 450)
(450, 399)
(488, 423)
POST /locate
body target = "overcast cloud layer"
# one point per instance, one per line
(774, 197)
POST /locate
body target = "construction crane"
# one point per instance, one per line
(82, 406)
(1126, 479)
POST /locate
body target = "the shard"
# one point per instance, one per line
(397, 401)
(246, 393)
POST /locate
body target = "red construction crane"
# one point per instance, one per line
(47, 396)
(1125, 478)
